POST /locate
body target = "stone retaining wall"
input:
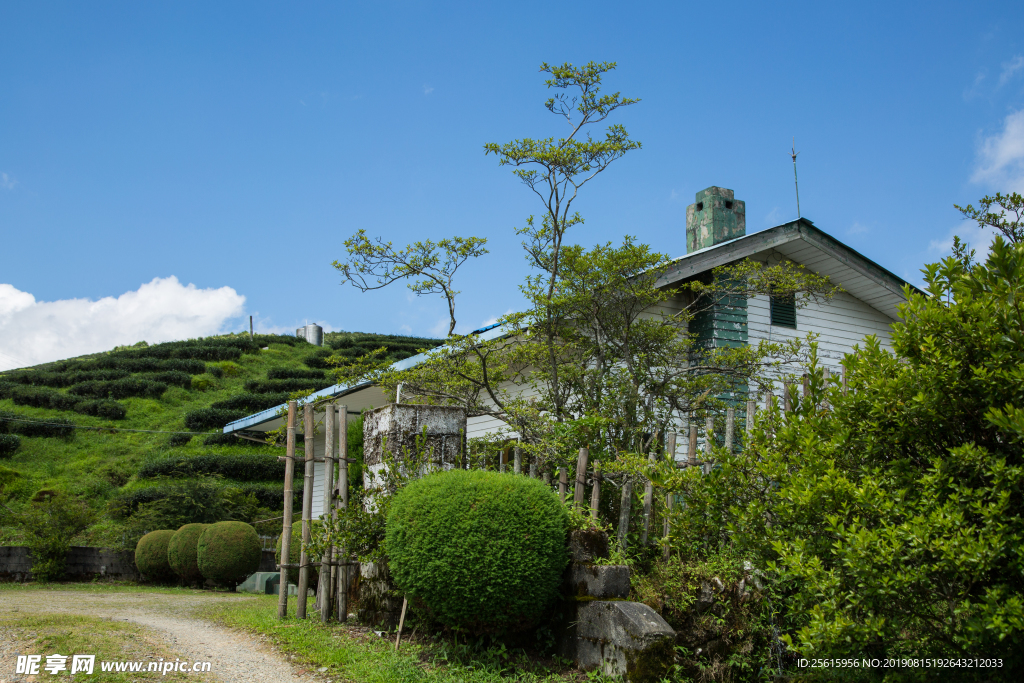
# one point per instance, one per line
(84, 564)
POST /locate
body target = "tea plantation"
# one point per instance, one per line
(132, 482)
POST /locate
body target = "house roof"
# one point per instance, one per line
(806, 244)
(799, 241)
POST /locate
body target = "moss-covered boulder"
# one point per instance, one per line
(182, 552)
(151, 555)
(228, 552)
(294, 556)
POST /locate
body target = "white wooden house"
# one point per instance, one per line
(716, 236)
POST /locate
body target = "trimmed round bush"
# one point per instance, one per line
(228, 552)
(182, 550)
(295, 555)
(8, 444)
(151, 555)
(478, 550)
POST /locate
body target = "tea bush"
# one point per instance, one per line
(151, 555)
(105, 408)
(204, 419)
(277, 386)
(120, 388)
(228, 552)
(237, 467)
(9, 443)
(182, 552)
(478, 550)
(250, 402)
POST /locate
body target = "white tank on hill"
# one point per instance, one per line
(314, 334)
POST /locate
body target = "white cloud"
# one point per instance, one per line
(1010, 68)
(427, 90)
(7, 182)
(440, 328)
(1001, 157)
(857, 229)
(34, 332)
(673, 195)
(774, 217)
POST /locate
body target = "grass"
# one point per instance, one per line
(353, 654)
(47, 634)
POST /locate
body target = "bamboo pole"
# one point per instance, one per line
(787, 402)
(401, 622)
(517, 460)
(286, 530)
(624, 509)
(709, 440)
(324, 588)
(648, 503)
(670, 448)
(342, 504)
(581, 477)
(730, 428)
(307, 511)
(751, 411)
(595, 491)
(563, 482)
(691, 447)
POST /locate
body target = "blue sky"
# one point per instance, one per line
(234, 146)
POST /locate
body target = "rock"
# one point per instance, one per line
(588, 545)
(598, 581)
(705, 598)
(620, 638)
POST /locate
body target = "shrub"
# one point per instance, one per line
(251, 403)
(181, 552)
(231, 440)
(49, 525)
(178, 440)
(478, 550)
(237, 467)
(228, 552)
(172, 378)
(8, 444)
(42, 397)
(318, 360)
(151, 555)
(215, 371)
(291, 373)
(226, 369)
(203, 419)
(120, 388)
(56, 427)
(268, 386)
(105, 408)
(200, 383)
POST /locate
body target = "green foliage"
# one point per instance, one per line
(277, 386)
(182, 552)
(49, 526)
(104, 408)
(201, 383)
(250, 402)
(9, 443)
(151, 555)
(431, 266)
(478, 550)
(120, 388)
(1012, 228)
(203, 419)
(294, 373)
(55, 427)
(237, 467)
(228, 552)
(891, 515)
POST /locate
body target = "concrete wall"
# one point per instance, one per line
(84, 564)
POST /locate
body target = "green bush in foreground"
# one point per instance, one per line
(151, 555)
(478, 550)
(8, 444)
(228, 552)
(182, 552)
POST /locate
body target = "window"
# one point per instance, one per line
(700, 206)
(784, 311)
(728, 204)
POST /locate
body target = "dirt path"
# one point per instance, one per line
(236, 656)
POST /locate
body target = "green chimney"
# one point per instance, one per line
(714, 218)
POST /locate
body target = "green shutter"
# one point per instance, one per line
(784, 311)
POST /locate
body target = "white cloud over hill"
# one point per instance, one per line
(34, 332)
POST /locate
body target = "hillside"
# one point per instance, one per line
(153, 478)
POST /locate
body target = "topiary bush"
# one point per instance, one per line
(151, 555)
(478, 550)
(182, 552)
(228, 552)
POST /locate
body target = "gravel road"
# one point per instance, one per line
(236, 656)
